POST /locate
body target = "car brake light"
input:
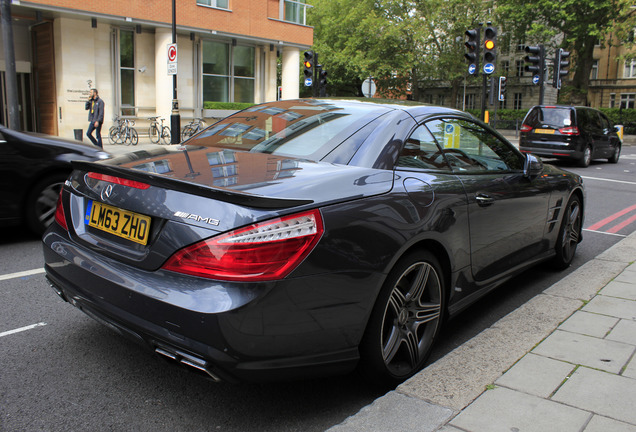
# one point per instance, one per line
(525, 128)
(60, 216)
(571, 130)
(118, 180)
(263, 251)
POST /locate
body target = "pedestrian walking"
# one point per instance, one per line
(95, 107)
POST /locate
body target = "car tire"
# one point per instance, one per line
(569, 234)
(616, 155)
(586, 159)
(42, 201)
(405, 320)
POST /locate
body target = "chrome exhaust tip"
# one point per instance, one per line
(188, 360)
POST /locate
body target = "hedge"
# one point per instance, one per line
(236, 106)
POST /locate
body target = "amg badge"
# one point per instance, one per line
(197, 218)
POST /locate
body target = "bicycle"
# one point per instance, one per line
(191, 128)
(158, 132)
(114, 135)
(123, 132)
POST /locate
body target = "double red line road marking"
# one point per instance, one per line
(602, 226)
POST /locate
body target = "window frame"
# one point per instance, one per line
(299, 3)
(215, 5)
(129, 110)
(230, 76)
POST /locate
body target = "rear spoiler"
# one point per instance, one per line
(233, 197)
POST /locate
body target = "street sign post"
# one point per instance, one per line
(368, 88)
(172, 59)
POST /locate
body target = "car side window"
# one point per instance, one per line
(421, 151)
(469, 148)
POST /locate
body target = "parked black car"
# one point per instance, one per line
(307, 237)
(33, 168)
(581, 134)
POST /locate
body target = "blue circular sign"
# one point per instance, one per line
(535, 79)
(450, 128)
(489, 68)
(308, 82)
(472, 69)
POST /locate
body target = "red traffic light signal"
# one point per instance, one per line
(472, 46)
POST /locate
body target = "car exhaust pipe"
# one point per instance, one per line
(188, 360)
(57, 290)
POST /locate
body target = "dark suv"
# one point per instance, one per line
(577, 133)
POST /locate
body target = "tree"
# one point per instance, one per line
(404, 44)
(581, 23)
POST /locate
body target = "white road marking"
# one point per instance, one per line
(21, 329)
(603, 232)
(21, 274)
(608, 180)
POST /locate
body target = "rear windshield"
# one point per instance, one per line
(307, 129)
(550, 117)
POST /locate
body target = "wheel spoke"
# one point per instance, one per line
(426, 313)
(418, 284)
(412, 348)
(397, 301)
(392, 345)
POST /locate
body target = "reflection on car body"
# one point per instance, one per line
(345, 233)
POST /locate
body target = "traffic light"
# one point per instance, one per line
(502, 88)
(536, 61)
(308, 64)
(560, 62)
(322, 83)
(472, 54)
(490, 49)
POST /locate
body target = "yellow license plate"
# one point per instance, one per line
(544, 131)
(122, 223)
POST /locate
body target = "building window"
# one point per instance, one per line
(520, 67)
(127, 71)
(505, 67)
(294, 11)
(518, 101)
(594, 73)
(628, 100)
(630, 69)
(440, 100)
(612, 101)
(221, 4)
(470, 101)
(228, 72)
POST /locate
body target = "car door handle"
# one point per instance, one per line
(484, 200)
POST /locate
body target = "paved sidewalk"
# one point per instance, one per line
(564, 361)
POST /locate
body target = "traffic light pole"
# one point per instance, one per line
(484, 88)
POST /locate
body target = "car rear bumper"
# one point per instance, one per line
(553, 151)
(303, 327)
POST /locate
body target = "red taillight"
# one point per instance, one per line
(570, 130)
(263, 251)
(118, 180)
(525, 128)
(60, 217)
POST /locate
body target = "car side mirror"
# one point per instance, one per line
(533, 166)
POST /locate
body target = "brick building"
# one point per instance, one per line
(228, 51)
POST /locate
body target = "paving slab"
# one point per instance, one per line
(463, 374)
(505, 410)
(584, 350)
(629, 275)
(536, 375)
(611, 306)
(624, 290)
(395, 412)
(630, 370)
(623, 251)
(604, 424)
(585, 282)
(600, 392)
(624, 331)
(589, 324)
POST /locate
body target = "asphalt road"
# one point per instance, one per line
(61, 371)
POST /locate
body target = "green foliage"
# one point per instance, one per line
(576, 25)
(620, 116)
(226, 105)
(398, 42)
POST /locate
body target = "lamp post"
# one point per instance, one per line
(175, 117)
(10, 74)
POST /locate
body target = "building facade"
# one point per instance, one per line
(613, 77)
(227, 51)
